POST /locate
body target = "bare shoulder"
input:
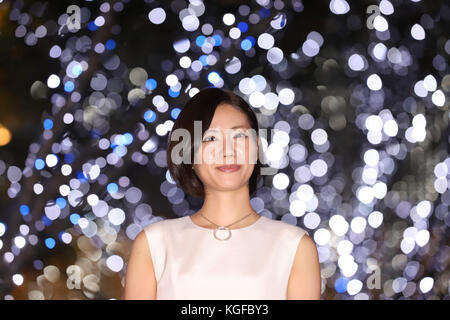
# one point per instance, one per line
(306, 251)
(141, 241)
(140, 282)
(305, 279)
(306, 244)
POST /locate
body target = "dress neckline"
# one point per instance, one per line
(239, 229)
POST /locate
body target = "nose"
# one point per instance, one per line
(228, 147)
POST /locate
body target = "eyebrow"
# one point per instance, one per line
(241, 126)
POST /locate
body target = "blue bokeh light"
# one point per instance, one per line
(77, 69)
(246, 44)
(74, 217)
(175, 113)
(46, 220)
(150, 116)
(128, 138)
(50, 242)
(120, 150)
(341, 284)
(61, 202)
(92, 26)
(200, 40)
(110, 44)
(151, 84)
(202, 59)
(213, 77)
(264, 13)
(173, 93)
(242, 26)
(218, 40)
(39, 164)
(69, 86)
(24, 209)
(48, 124)
(112, 187)
(69, 157)
(81, 176)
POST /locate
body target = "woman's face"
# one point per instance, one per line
(229, 140)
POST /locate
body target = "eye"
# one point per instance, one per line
(207, 139)
(241, 135)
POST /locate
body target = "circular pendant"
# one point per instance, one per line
(222, 228)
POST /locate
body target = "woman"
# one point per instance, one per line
(225, 250)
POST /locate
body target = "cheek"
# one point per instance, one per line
(209, 153)
(253, 152)
(247, 151)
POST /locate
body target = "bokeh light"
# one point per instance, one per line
(358, 105)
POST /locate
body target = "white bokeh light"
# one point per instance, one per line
(228, 19)
(386, 7)
(319, 168)
(430, 83)
(280, 181)
(438, 98)
(417, 32)
(19, 241)
(157, 16)
(390, 128)
(286, 96)
(380, 23)
(265, 41)
(374, 82)
(356, 62)
(53, 81)
(116, 216)
(358, 224)
(339, 6)
(338, 224)
(297, 208)
(319, 136)
(322, 236)
(115, 263)
(275, 55)
(365, 194)
(171, 80)
(311, 220)
(354, 286)
(17, 279)
(422, 237)
(426, 284)
(371, 157)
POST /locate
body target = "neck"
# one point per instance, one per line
(225, 207)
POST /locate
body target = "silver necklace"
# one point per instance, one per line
(224, 227)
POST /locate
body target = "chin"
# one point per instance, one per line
(230, 185)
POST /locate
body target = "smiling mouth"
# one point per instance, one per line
(229, 168)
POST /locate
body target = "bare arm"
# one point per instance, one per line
(304, 280)
(140, 281)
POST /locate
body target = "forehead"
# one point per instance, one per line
(229, 117)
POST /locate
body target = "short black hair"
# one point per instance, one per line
(201, 107)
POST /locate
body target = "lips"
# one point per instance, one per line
(229, 168)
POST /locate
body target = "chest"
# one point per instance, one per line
(243, 267)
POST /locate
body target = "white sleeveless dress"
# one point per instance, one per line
(254, 264)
